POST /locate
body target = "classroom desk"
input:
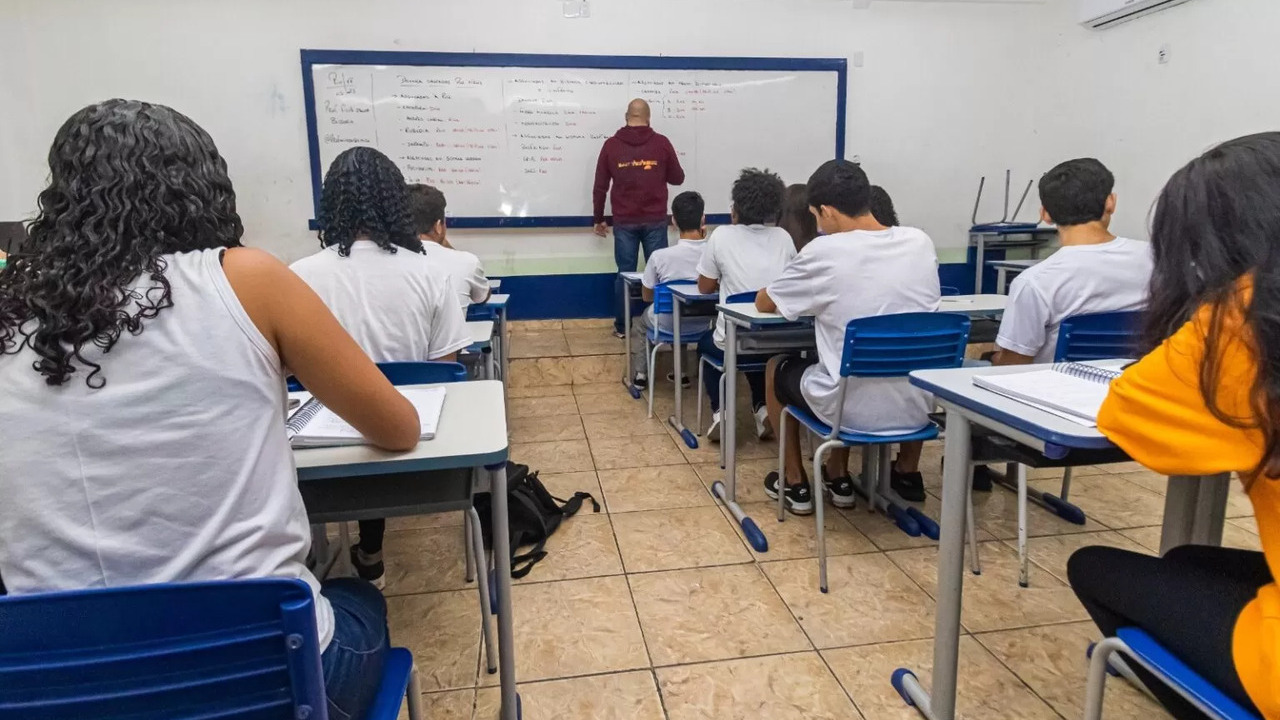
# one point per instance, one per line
(495, 283)
(481, 332)
(1004, 267)
(360, 482)
(1194, 507)
(498, 305)
(1002, 236)
(683, 296)
(630, 284)
(975, 306)
(766, 333)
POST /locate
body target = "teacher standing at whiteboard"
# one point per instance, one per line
(639, 164)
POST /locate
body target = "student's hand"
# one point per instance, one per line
(601, 229)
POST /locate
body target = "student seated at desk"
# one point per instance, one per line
(743, 257)
(1206, 400)
(374, 276)
(141, 354)
(796, 218)
(426, 205)
(678, 262)
(882, 207)
(1094, 271)
(857, 268)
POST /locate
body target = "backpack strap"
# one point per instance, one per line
(571, 506)
(533, 557)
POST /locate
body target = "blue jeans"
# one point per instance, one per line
(627, 241)
(711, 376)
(353, 661)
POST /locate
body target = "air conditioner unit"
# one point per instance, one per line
(1099, 14)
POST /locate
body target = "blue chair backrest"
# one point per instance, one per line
(747, 297)
(238, 648)
(662, 301)
(1098, 336)
(894, 345)
(410, 373)
(421, 373)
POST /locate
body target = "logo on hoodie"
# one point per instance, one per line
(642, 164)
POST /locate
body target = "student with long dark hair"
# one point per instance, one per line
(1206, 400)
(796, 218)
(374, 275)
(141, 356)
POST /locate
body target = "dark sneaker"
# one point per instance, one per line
(841, 489)
(684, 379)
(983, 478)
(799, 497)
(641, 381)
(619, 334)
(375, 572)
(910, 486)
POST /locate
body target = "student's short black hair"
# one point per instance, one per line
(757, 196)
(687, 210)
(1075, 192)
(842, 185)
(882, 207)
(426, 205)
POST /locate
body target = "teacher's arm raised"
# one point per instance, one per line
(599, 191)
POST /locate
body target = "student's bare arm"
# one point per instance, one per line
(1009, 357)
(320, 353)
(646, 293)
(706, 285)
(764, 303)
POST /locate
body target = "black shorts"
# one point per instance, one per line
(786, 382)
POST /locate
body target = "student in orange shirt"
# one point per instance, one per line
(1206, 400)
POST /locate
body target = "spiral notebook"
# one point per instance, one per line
(314, 425)
(1074, 391)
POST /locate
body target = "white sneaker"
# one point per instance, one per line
(713, 432)
(763, 431)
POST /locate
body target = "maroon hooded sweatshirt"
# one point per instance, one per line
(640, 163)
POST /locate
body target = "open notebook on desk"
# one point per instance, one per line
(1074, 391)
(314, 425)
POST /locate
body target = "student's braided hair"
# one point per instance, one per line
(129, 182)
(365, 197)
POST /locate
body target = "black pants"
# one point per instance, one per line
(371, 532)
(711, 376)
(1187, 600)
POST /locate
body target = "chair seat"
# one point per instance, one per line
(742, 367)
(816, 426)
(395, 682)
(1150, 653)
(663, 336)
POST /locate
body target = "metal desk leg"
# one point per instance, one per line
(1194, 509)
(979, 259)
(503, 347)
(941, 703)
(1002, 280)
(502, 582)
(628, 380)
(489, 367)
(677, 420)
(729, 439)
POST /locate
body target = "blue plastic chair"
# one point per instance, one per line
(1152, 656)
(245, 649)
(883, 346)
(704, 359)
(1098, 336)
(658, 339)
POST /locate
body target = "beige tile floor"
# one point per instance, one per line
(656, 607)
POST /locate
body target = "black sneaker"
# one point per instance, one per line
(684, 379)
(641, 381)
(374, 572)
(799, 497)
(910, 486)
(841, 489)
(983, 478)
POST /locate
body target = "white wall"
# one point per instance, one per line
(916, 115)
(1111, 99)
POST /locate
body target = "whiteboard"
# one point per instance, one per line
(512, 140)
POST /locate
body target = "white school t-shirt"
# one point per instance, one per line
(744, 258)
(841, 277)
(464, 271)
(1077, 279)
(397, 306)
(677, 262)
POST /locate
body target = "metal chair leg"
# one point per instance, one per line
(1097, 683)
(1023, 565)
(722, 417)
(971, 529)
(700, 393)
(1066, 483)
(413, 695)
(819, 456)
(343, 564)
(870, 477)
(782, 462)
(653, 362)
(477, 541)
(468, 548)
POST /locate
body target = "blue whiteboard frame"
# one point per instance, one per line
(840, 66)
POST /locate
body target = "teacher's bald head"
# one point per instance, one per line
(637, 112)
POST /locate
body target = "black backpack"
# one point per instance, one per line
(533, 515)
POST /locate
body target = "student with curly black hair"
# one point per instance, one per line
(141, 354)
(744, 257)
(375, 276)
